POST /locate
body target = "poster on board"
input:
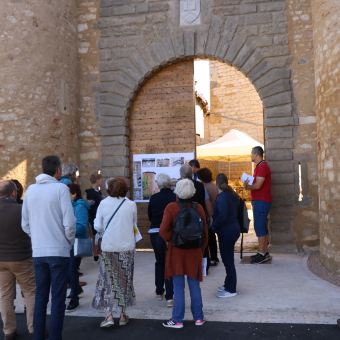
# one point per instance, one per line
(146, 167)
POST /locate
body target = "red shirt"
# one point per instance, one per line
(263, 194)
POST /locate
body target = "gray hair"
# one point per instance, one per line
(68, 169)
(108, 181)
(185, 171)
(185, 188)
(163, 180)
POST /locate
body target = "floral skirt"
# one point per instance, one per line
(114, 290)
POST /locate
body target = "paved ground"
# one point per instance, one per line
(86, 328)
(282, 292)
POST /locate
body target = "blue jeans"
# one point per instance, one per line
(51, 272)
(261, 210)
(179, 301)
(74, 275)
(227, 248)
(159, 248)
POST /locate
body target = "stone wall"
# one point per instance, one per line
(141, 38)
(326, 51)
(232, 96)
(38, 95)
(89, 59)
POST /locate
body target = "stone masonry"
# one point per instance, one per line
(70, 73)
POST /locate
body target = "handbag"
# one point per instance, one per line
(99, 241)
(83, 246)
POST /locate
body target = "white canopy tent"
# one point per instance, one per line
(235, 146)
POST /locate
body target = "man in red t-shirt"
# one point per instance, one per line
(261, 200)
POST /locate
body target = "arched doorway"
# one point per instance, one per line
(162, 121)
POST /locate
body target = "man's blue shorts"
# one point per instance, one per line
(260, 211)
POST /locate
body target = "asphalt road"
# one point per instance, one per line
(87, 328)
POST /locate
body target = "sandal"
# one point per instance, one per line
(107, 322)
(124, 321)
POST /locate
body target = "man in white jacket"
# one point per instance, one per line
(48, 218)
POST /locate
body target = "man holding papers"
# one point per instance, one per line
(261, 201)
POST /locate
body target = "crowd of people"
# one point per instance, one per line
(37, 250)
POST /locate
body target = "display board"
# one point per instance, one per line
(146, 167)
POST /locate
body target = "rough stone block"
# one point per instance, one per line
(108, 110)
(278, 99)
(234, 48)
(124, 10)
(286, 237)
(272, 76)
(283, 179)
(260, 41)
(114, 131)
(113, 121)
(127, 81)
(283, 225)
(115, 140)
(169, 49)
(275, 28)
(142, 8)
(140, 64)
(281, 166)
(252, 62)
(279, 16)
(159, 7)
(217, 23)
(222, 46)
(109, 3)
(115, 172)
(146, 52)
(305, 156)
(105, 12)
(114, 99)
(179, 44)
(280, 121)
(213, 40)
(273, 6)
(110, 151)
(201, 40)
(281, 85)
(283, 190)
(279, 202)
(259, 18)
(157, 49)
(189, 42)
(278, 111)
(243, 55)
(279, 155)
(280, 144)
(115, 162)
(109, 76)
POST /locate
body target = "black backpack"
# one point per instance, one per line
(188, 230)
(243, 220)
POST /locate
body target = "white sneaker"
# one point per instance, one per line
(159, 297)
(225, 294)
(170, 303)
(220, 288)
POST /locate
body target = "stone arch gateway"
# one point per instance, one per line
(252, 42)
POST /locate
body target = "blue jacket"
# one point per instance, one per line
(225, 213)
(65, 179)
(81, 208)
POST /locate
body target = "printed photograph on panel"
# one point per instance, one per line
(148, 162)
(137, 194)
(149, 184)
(137, 174)
(163, 163)
(177, 161)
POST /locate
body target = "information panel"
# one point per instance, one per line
(146, 167)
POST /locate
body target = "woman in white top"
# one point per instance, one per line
(116, 216)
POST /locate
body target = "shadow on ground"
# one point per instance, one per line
(87, 328)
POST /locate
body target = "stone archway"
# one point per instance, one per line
(265, 64)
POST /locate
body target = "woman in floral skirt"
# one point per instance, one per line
(115, 219)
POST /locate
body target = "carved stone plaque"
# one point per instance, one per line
(190, 12)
